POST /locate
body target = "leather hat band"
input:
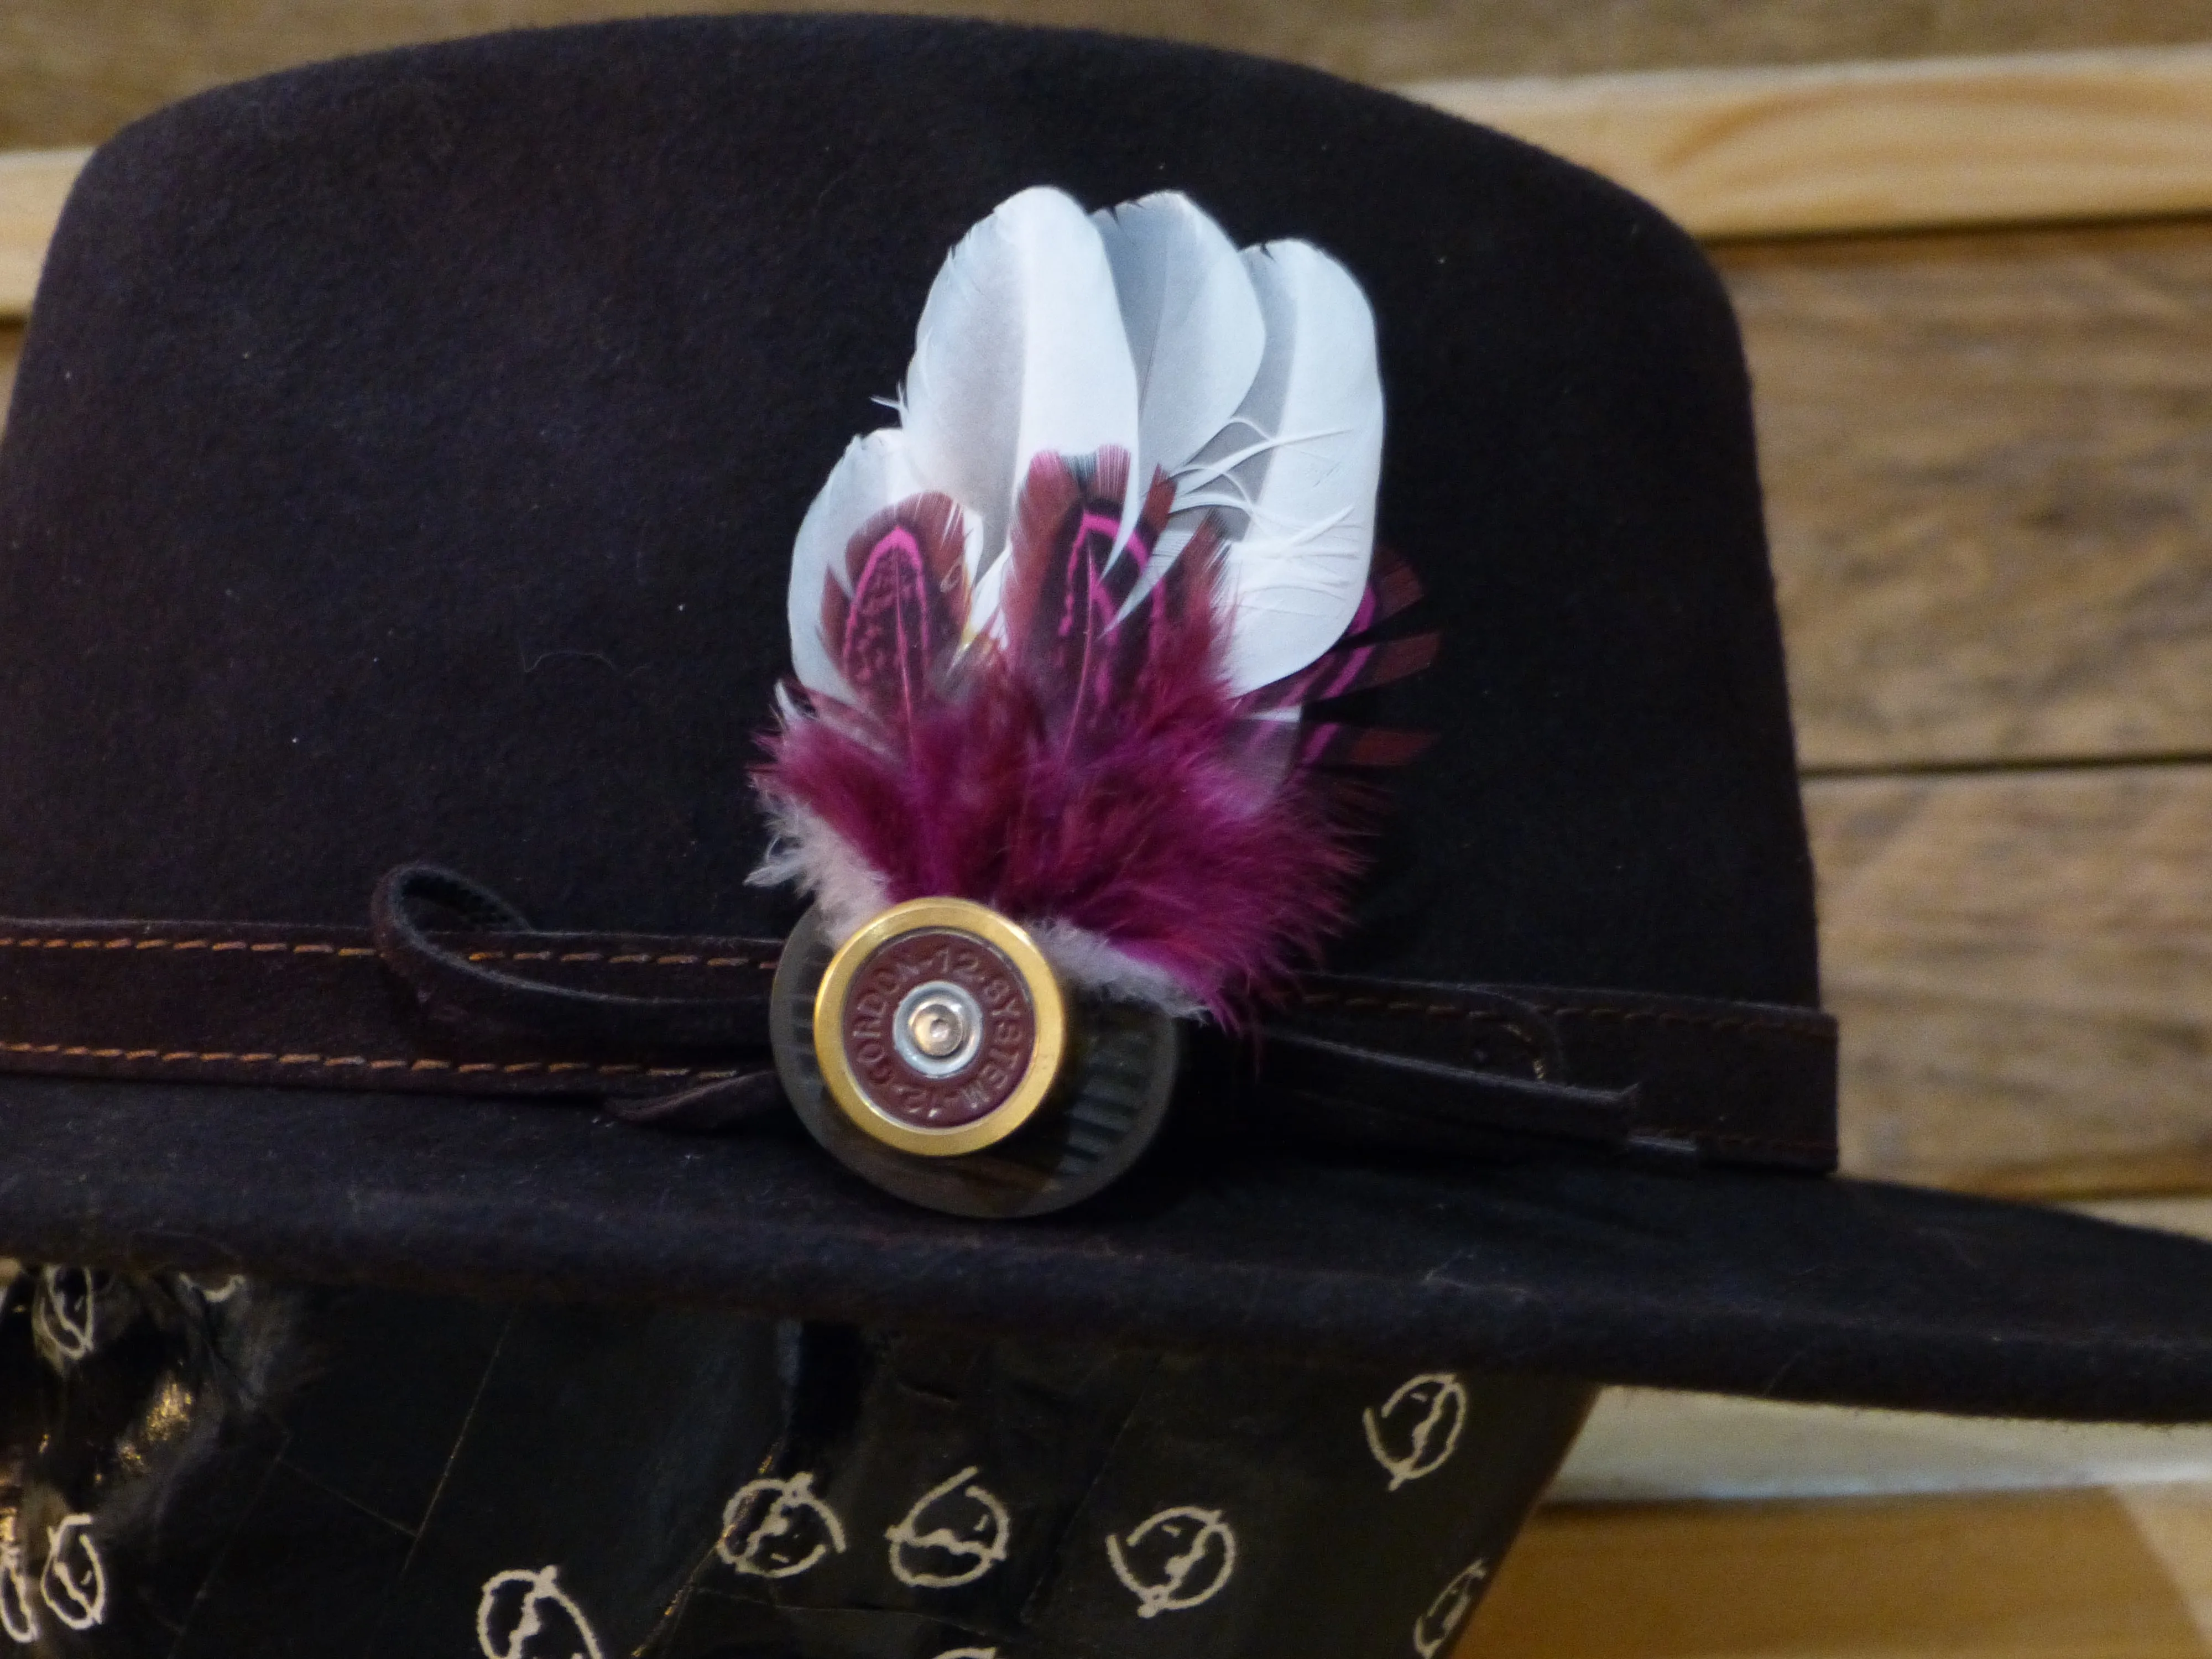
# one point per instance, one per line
(677, 1029)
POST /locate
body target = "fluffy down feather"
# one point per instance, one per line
(1094, 706)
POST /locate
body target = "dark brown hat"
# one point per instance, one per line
(406, 464)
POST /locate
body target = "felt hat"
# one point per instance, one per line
(404, 475)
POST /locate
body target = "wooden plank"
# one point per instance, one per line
(2176, 1524)
(1988, 461)
(33, 184)
(1645, 1445)
(2080, 1575)
(1760, 152)
(71, 71)
(2022, 965)
(1730, 153)
(2187, 1214)
(11, 353)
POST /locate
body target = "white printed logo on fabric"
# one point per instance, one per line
(19, 1616)
(967, 1539)
(65, 1313)
(527, 1616)
(1450, 1610)
(1177, 1559)
(75, 1583)
(775, 1529)
(1418, 1427)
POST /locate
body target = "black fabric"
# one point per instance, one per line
(405, 463)
(1795, 1287)
(258, 1472)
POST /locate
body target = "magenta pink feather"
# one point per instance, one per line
(1086, 762)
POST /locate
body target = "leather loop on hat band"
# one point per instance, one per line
(508, 990)
(678, 1029)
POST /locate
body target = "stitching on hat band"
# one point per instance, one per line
(1369, 1062)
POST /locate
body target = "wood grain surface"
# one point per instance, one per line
(1988, 462)
(11, 349)
(33, 184)
(1862, 145)
(72, 71)
(2075, 1574)
(2022, 965)
(1653, 1445)
(2047, 136)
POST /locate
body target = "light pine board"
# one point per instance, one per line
(1730, 153)
(1857, 146)
(33, 184)
(2022, 966)
(11, 349)
(1988, 462)
(1844, 146)
(71, 71)
(2068, 1575)
(1645, 1446)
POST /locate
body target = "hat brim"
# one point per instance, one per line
(1784, 1286)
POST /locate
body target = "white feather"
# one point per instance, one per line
(1250, 377)
(1092, 962)
(986, 593)
(1195, 332)
(1176, 537)
(806, 853)
(875, 472)
(1303, 477)
(1020, 351)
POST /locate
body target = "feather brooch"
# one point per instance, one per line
(1065, 636)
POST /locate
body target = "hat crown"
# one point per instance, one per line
(407, 455)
